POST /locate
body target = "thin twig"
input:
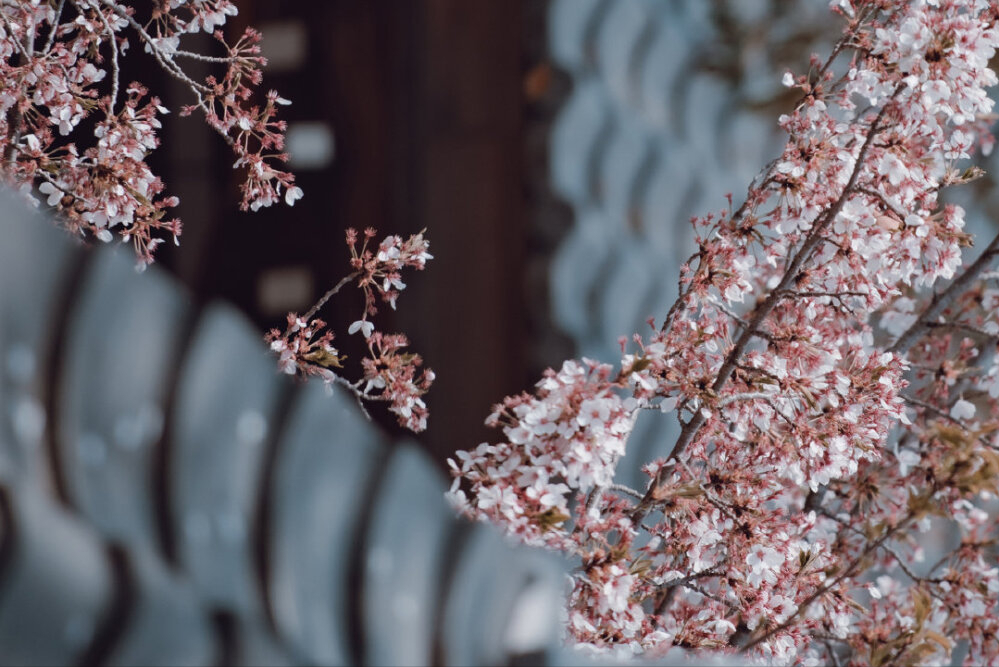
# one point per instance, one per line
(164, 59)
(14, 116)
(832, 653)
(939, 412)
(870, 192)
(929, 407)
(832, 295)
(905, 568)
(115, 76)
(708, 594)
(359, 395)
(208, 59)
(780, 413)
(762, 371)
(55, 25)
(743, 324)
(747, 396)
(627, 490)
(322, 301)
(959, 326)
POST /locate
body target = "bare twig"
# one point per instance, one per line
(905, 568)
(115, 76)
(747, 396)
(627, 490)
(832, 653)
(325, 297)
(743, 324)
(871, 192)
(203, 58)
(833, 295)
(960, 326)
(707, 594)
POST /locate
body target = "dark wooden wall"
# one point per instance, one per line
(424, 99)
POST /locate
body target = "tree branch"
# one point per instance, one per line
(760, 313)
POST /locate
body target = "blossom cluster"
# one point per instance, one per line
(306, 348)
(72, 129)
(379, 270)
(569, 436)
(834, 401)
(389, 373)
(397, 376)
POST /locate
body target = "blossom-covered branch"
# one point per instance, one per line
(60, 64)
(389, 373)
(802, 475)
(60, 61)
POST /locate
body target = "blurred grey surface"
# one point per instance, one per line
(166, 497)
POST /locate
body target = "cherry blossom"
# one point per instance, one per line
(389, 373)
(833, 367)
(60, 61)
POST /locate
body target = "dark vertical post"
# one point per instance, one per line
(468, 312)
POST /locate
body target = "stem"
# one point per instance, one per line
(916, 403)
(55, 24)
(961, 327)
(326, 297)
(13, 119)
(359, 395)
(14, 116)
(627, 490)
(165, 60)
(115, 72)
(203, 58)
(832, 653)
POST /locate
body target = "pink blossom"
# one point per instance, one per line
(69, 69)
(389, 373)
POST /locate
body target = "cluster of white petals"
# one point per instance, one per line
(566, 439)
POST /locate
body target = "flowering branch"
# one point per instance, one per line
(942, 300)
(389, 373)
(797, 465)
(107, 188)
(690, 428)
